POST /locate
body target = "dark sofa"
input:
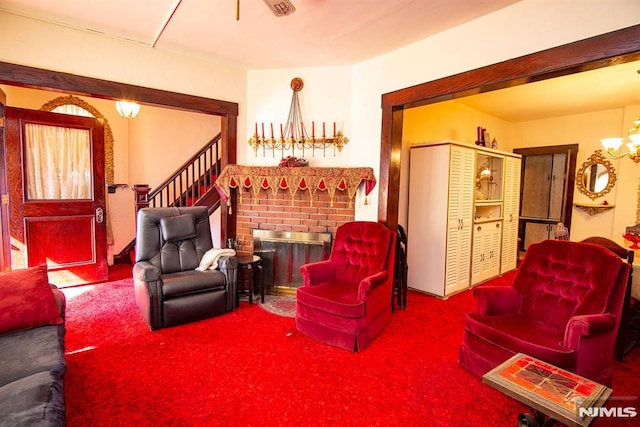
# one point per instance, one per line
(32, 358)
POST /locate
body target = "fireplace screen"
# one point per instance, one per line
(283, 252)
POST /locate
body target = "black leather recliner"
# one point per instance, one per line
(170, 243)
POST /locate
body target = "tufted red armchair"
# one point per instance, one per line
(563, 307)
(345, 301)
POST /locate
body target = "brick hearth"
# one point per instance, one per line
(269, 212)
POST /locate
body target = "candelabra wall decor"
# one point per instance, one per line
(294, 137)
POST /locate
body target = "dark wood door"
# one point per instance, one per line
(55, 175)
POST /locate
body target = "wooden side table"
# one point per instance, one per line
(249, 275)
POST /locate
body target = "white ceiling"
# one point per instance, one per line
(318, 33)
(326, 33)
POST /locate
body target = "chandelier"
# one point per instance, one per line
(613, 144)
(294, 135)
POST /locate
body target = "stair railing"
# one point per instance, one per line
(189, 184)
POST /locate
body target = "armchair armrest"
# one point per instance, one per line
(317, 272)
(370, 283)
(496, 300)
(582, 327)
(145, 271)
(591, 337)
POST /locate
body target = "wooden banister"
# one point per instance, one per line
(190, 185)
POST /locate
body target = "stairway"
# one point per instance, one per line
(192, 184)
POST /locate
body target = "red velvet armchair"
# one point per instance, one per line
(345, 301)
(564, 307)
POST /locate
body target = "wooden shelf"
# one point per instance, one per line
(592, 208)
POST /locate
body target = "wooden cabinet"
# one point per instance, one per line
(509, 258)
(440, 218)
(460, 220)
(487, 239)
(457, 207)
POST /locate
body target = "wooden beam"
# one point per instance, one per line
(36, 78)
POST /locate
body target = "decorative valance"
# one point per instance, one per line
(306, 178)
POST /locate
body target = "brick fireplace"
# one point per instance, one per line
(307, 214)
(295, 200)
(311, 216)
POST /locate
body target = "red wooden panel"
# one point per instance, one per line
(60, 241)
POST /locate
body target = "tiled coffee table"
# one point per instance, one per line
(548, 390)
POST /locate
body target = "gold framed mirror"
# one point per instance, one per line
(596, 177)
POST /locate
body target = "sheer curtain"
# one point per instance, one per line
(58, 163)
(69, 105)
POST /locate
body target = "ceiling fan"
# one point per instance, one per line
(278, 7)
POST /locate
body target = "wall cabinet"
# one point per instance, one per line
(456, 211)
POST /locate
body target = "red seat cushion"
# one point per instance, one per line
(191, 282)
(520, 334)
(336, 297)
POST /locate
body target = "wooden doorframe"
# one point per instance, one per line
(608, 49)
(37, 78)
(5, 243)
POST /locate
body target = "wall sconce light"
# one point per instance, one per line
(612, 144)
(127, 109)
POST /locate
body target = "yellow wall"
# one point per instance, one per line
(452, 120)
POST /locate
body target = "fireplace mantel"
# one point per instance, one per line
(304, 178)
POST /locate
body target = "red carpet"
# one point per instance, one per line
(252, 368)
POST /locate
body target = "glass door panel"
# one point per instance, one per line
(58, 163)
